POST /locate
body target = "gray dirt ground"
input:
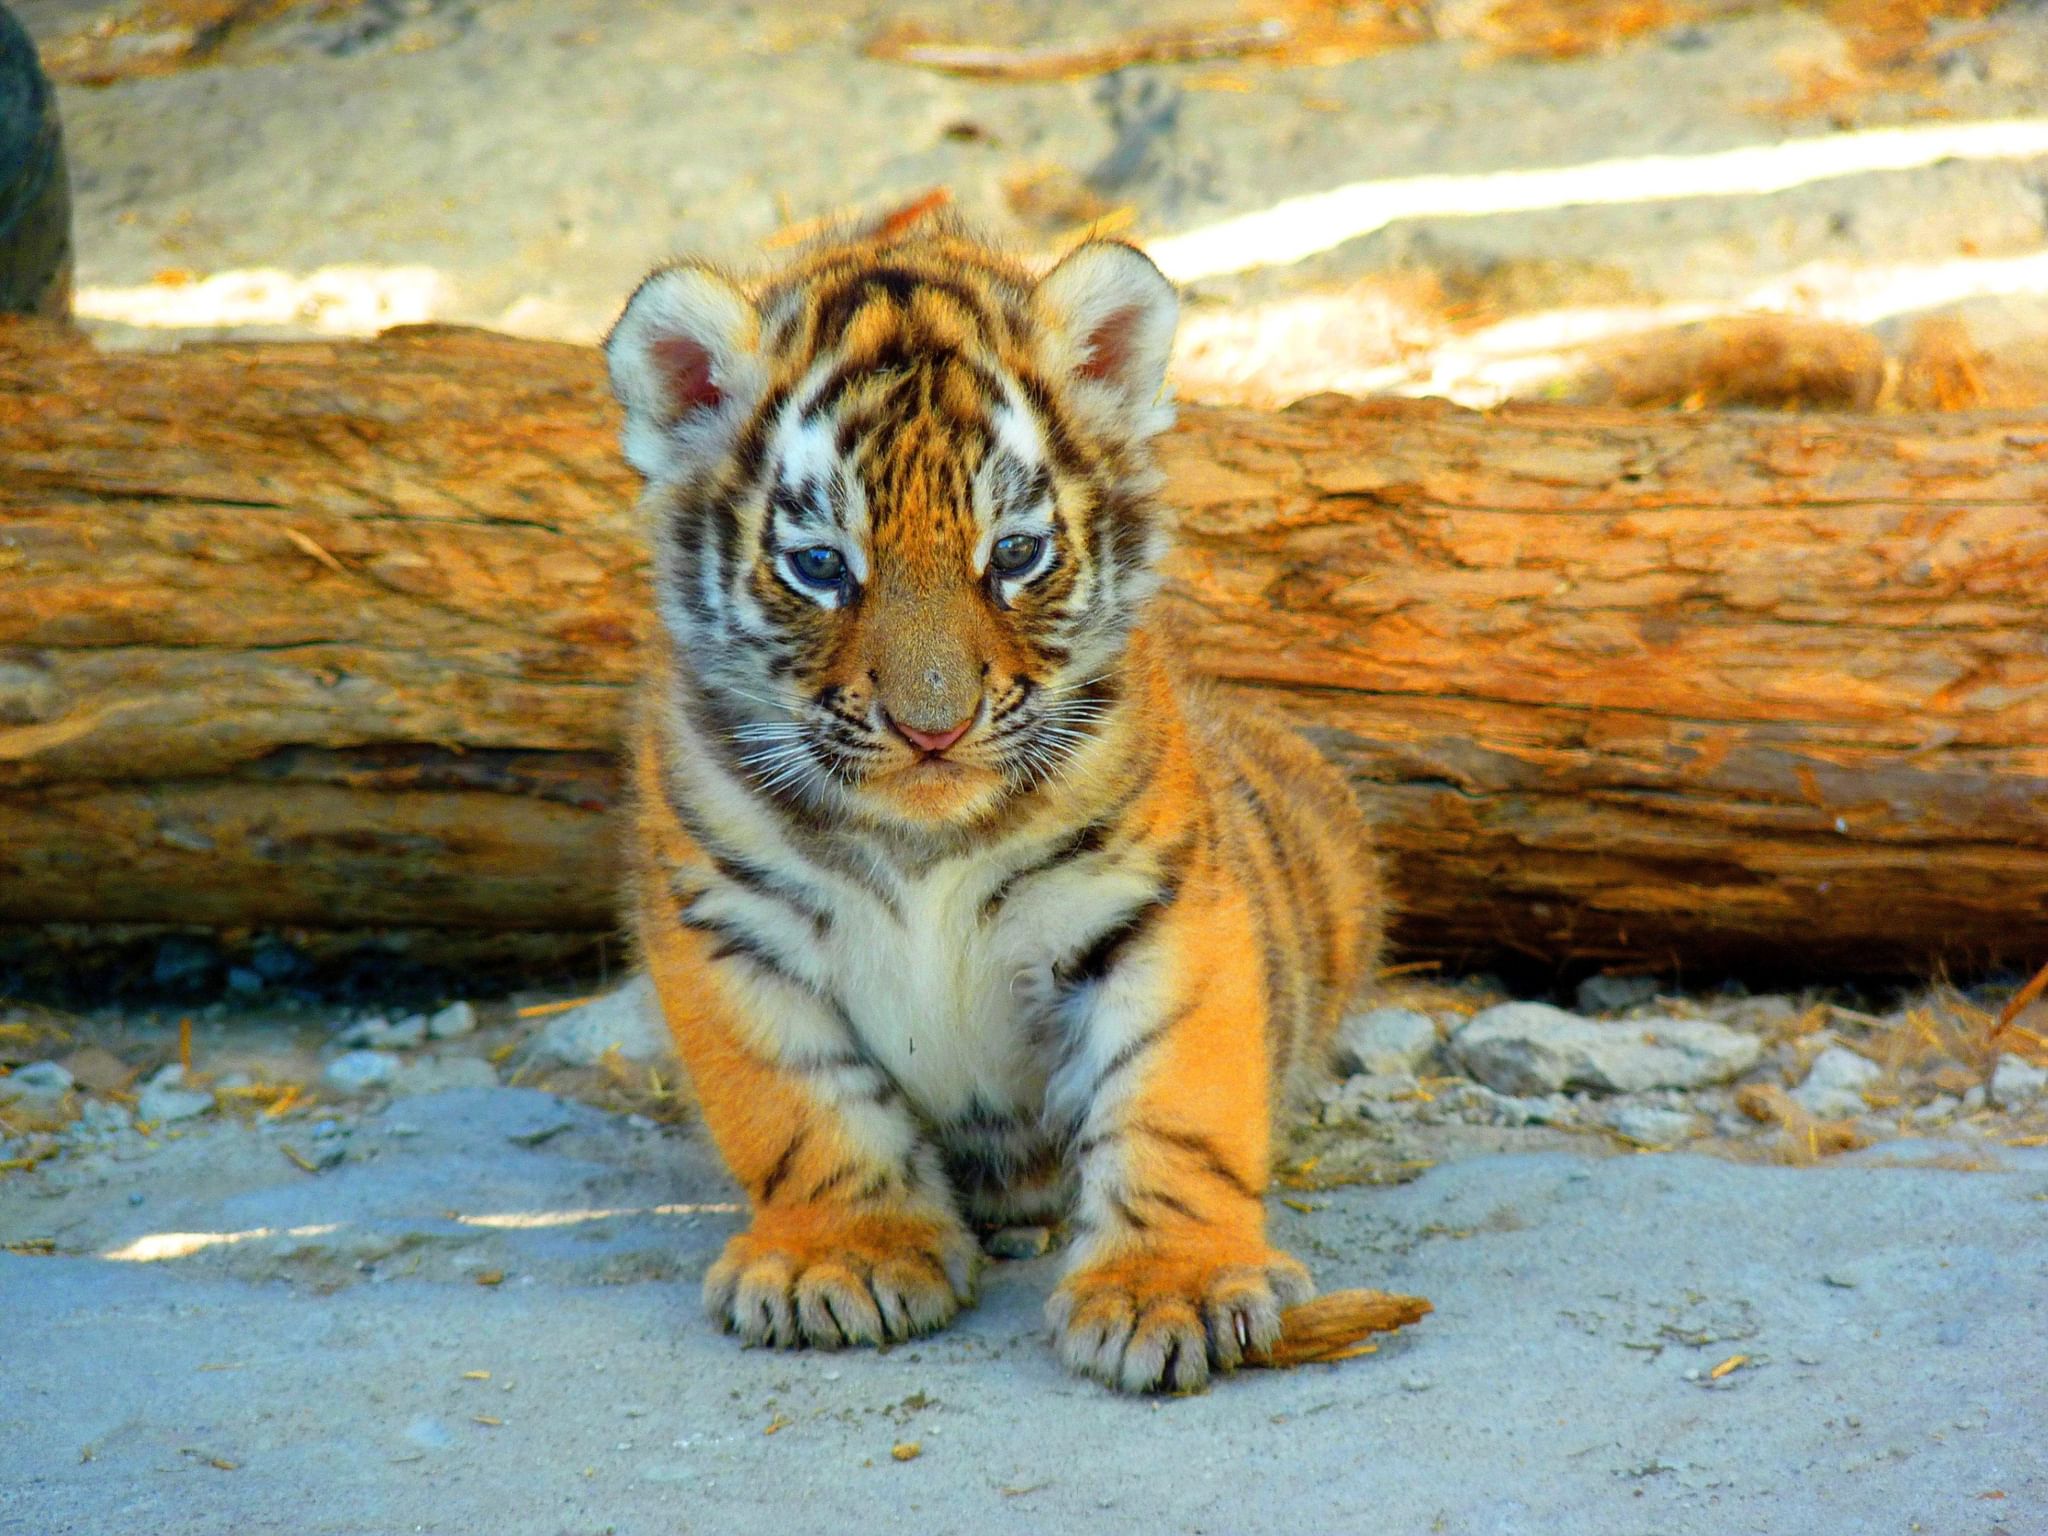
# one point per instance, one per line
(1892, 1318)
(537, 156)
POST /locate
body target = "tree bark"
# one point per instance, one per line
(342, 634)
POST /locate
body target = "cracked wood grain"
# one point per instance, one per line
(342, 633)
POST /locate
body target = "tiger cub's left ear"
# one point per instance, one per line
(1112, 315)
(685, 364)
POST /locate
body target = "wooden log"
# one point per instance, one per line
(341, 633)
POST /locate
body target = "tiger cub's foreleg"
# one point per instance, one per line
(854, 1238)
(1166, 1081)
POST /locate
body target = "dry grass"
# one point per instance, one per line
(1804, 1138)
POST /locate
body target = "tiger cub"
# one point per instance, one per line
(965, 905)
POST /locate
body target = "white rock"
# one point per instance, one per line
(1386, 1040)
(378, 1034)
(1380, 1097)
(2017, 1082)
(40, 1081)
(1650, 1126)
(1834, 1084)
(1533, 1048)
(1611, 994)
(1937, 1109)
(165, 1098)
(1380, 1085)
(455, 1020)
(103, 1117)
(629, 1019)
(360, 1071)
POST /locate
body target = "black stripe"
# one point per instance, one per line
(1059, 433)
(1109, 946)
(1284, 976)
(713, 731)
(1089, 1144)
(1133, 1049)
(880, 1088)
(1173, 1203)
(844, 1173)
(1089, 839)
(765, 883)
(737, 944)
(783, 1164)
(1204, 1151)
(1129, 1217)
(875, 1187)
(752, 448)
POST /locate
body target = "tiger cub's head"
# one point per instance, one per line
(902, 508)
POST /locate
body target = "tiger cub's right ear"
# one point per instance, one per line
(685, 365)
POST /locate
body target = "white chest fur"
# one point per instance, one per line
(953, 998)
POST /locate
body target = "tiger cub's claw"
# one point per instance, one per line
(1163, 1322)
(830, 1282)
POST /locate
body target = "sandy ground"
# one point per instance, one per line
(328, 1374)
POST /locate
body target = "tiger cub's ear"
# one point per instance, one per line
(685, 365)
(1112, 314)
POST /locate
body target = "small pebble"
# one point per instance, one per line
(455, 1020)
(1018, 1242)
(164, 1101)
(41, 1077)
(376, 1034)
(1943, 1107)
(1834, 1084)
(1611, 994)
(104, 1117)
(1649, 1126)
(360, 1071)
(1385, 1041)
(2017, 1083)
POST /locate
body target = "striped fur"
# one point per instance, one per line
(1065, 966)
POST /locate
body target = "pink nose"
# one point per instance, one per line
(932, 741)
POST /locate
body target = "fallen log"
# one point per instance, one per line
(341, 634)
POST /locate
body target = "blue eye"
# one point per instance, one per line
(1018, 552)
(819, 566)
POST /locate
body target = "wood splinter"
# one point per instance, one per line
(1336, 1327)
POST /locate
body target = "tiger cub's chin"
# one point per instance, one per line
(936, 792)
(965, 906)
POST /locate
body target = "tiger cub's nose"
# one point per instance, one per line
(931, 741)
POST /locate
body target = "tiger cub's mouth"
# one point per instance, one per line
(935, 787)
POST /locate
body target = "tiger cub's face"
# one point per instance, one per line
(902, 515)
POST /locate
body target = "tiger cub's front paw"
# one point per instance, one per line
(1163, 1320)
(827, 1276)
